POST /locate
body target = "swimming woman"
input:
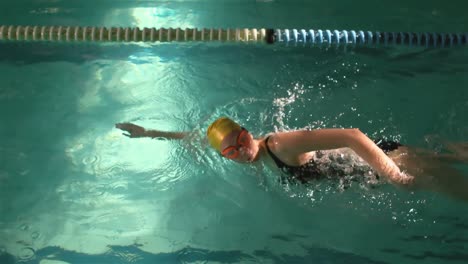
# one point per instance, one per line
(298, 153)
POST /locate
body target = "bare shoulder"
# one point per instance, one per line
(275, 140)
(284, 139)
(282, 142)
(283, 145)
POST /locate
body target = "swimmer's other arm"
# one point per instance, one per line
(135, 131)
(299, 142)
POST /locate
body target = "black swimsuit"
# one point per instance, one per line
(311, 170)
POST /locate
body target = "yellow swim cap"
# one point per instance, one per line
(219, 129)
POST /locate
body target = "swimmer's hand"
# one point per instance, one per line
(403, 179)
(133, 130)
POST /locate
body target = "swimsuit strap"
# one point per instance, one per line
(278, 162)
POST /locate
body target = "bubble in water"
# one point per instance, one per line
(90, 159)
(35, 235)
(24, 172)
(24, 227)
(27, 253)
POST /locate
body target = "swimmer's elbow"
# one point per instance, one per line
(354, 131)
(352, 135)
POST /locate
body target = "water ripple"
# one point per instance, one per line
(119, 186)
(115, 170)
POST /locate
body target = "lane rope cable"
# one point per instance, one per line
(304, 37)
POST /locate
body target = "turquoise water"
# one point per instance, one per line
(74, 190)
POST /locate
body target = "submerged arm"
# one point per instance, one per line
(298, 142)
(135, 131)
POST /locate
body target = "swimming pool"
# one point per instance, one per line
(73, 189)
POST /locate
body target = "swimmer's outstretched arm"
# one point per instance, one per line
(298, 142)
(135, 131)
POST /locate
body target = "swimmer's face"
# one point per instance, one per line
(237, 146)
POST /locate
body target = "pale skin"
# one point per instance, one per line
(403, 166)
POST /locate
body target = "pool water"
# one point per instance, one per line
(73, 189)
